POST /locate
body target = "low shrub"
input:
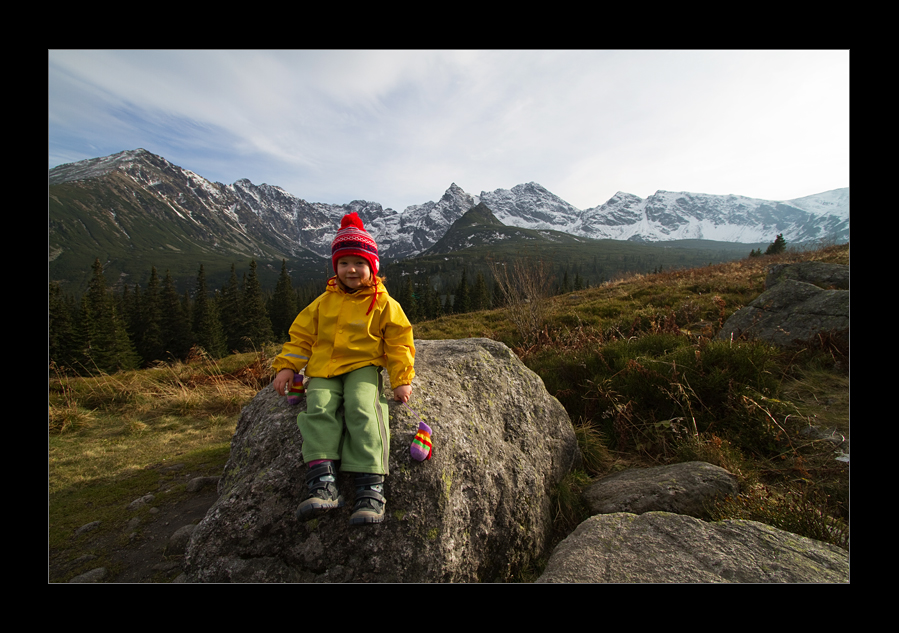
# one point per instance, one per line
(801, 510)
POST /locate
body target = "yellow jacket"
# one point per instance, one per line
(340, 332)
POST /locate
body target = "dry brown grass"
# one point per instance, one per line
(103, 427)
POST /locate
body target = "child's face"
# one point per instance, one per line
(353, 271)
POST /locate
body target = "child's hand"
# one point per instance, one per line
(402, 393)
(282, 379)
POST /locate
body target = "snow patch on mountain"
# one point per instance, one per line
(271, 214)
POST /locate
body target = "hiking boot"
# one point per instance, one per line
(370, 502)
(323, 494)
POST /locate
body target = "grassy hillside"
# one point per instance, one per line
(632, 361)
(634, 364)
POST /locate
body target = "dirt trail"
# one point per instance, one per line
(135, 553)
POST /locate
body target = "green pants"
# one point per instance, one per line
(360, 436)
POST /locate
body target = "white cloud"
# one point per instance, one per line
(398, 126)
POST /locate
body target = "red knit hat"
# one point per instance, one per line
(353, 239)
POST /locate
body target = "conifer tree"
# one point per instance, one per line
(61, 330)
(230, 311)
(480, 296)
(150, 343)
(257, 327)
(105, 345)
(430, 302)
(131, 313)
(462, 301)
(779, 245)
(175, 325)
(206, 325)
(283, 306)
(410, 307)
(498, 300)
(438, 304)
(187, 306)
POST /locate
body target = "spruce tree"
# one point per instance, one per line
(175, 325)
(150, 344)
(257, 327)
(462, 301)
(411, 307)
(481, 296)
(283, 306)
(207, 328)
(230, 311)
(779, 245)
(61, 330)
(105, 345)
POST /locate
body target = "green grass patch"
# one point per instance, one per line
(106, 500)
(633, 361)
(112, 439)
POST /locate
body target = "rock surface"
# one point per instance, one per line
(820, 274)
(479, 510)
(658, 547)
(685, 488)
(800, 302)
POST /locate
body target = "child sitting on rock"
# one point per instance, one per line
(343, 339)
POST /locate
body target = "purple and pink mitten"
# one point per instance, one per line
(421, 446)
(296, 391)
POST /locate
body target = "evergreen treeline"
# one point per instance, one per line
(421, 301)
(107, 331)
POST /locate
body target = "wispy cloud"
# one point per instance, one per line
(399, 126)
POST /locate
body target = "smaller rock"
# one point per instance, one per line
(198, 483)
(686, 488)
(659, 547)
(94, 575)
(179, 540)
(139, 503)
(87, 527)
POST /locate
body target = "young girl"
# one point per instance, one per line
(342, 339)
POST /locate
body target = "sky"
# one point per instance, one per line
(399, 126)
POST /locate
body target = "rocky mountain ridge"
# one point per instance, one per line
(267, 220)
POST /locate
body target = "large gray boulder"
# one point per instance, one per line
(479, 510)
(800, 302)
(820, 274)
(687, 488)
(659, 547)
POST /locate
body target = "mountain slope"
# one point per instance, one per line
(135, 209)
(668, 215)
(480, 227)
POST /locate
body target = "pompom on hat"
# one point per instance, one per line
(353, 239)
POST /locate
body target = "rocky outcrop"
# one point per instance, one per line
(479, 510)
(820, 274)
(687, 488)
(800, 302)
(659, 547)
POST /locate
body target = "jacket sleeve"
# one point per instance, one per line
(303, 334)
(398, 344)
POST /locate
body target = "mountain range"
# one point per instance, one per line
(135, 204)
